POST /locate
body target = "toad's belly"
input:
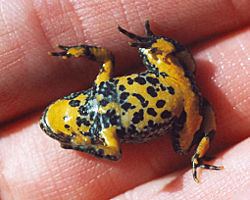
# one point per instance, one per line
(148, 106)
(151, 131)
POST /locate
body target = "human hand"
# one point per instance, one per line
(33, 166)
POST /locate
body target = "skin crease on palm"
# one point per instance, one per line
(33, 166)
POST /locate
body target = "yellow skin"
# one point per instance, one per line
(137, 107)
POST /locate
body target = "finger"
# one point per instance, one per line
(33, 165)
(28, 73)
(223, 76)
(230, 183)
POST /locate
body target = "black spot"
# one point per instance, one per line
(156, 71)
(104, 102)
(66, 126)
(90, 150)
(86, 122)
(145, 104)
(139, 97)
(126, 106)
(74, 103)
(151, 111)
(124, 95)
(114, 120)
(152, 80)
(91, 115)
(140, 80)
(101, 84)
(157, 89)
(132, 129)
(163, 74)
(130, 81)
(111, 157)
(150, 123)
(65, 117)
(110, 118)
(86, 134)
(132, 107)
(80, 121)
(165, 114)
(163, 88)
(151, 91)
(105, 121)
(122, 88)
(116, 81)
(100, 152)
(107, 89)
(138, 116)
(160, 103)
(82, 110)
(171, 90)
(89, 53)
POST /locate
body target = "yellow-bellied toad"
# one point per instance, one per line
(137, 107)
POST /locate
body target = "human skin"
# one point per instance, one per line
(33, 166)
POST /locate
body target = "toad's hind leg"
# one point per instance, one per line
(107, 147)
(99, 54)
(203, 140)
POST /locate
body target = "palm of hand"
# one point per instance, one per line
(33, 166)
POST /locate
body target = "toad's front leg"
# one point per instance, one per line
(98, 54)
